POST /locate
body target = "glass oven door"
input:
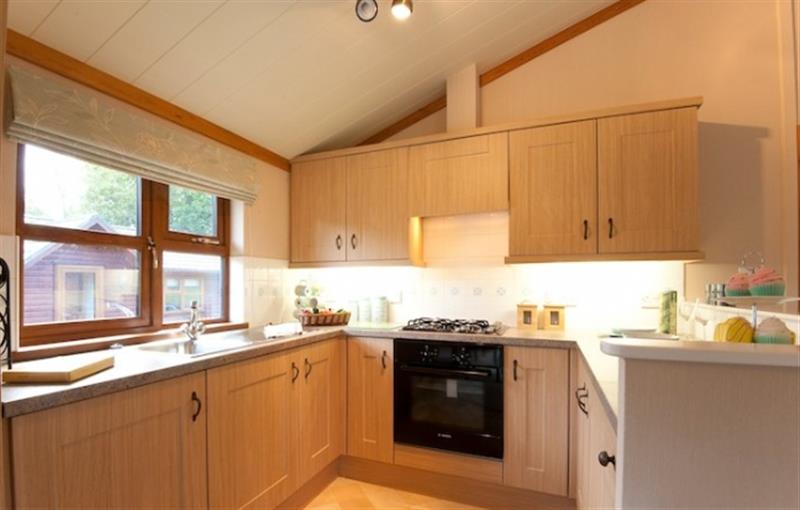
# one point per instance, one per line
(451, 409)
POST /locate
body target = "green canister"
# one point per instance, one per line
(668, 323)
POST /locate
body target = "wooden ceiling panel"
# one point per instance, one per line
(288, 74)
(80, 27)
(213, 40)
(429, 72)
(25, 15)
(424, 62)
(164, 22)
(255, 63)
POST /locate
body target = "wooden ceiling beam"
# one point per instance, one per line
(511, 64)
(434, 106)
(27, 49)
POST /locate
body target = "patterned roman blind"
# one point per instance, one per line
(53, 112)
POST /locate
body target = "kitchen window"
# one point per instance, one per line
(107, 253)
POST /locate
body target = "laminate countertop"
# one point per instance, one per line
(136, 367)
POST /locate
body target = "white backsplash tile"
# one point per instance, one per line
(599, 295)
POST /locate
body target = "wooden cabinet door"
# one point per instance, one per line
(317, 196)
(536, 419)
(467, 175)
(321, 406)
(602, 479)
(377, 205)
(583, 455)
(553, 189)
(251, 433)
(370, 398)
(648, 182)
(140, 448)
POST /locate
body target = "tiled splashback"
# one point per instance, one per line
(599, 295)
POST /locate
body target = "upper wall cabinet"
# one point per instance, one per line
(377, 205)
(462, 176)
(318, 210)
(647, 169)
(553, 179)
(614, 184)
(351, 209)
(619, 187)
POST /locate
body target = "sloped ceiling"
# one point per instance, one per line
(294, 76)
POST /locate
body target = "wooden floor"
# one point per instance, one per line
(346, 494)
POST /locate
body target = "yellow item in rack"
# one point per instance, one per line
(735, 329)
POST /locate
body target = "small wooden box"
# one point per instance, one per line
(553, 317)
(527, 316)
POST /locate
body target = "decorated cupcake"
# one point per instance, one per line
(773, 331)
(738, 285)
(735, 329)
(766, 282)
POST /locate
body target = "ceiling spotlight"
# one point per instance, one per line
(402, 9)
(366, 10)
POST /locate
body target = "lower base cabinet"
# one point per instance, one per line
(251, 433)
(370, 398)
(596, 483)
(140, 448)
(248, 435)
(322, 410)
(536, 419)
(274, 422)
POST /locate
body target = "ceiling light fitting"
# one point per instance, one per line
(402, 9)
(367, 10)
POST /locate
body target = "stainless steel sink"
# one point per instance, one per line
(197, 348)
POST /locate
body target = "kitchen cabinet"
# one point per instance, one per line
(274, 422)
(602, 478)
(370, 402)
(583, 401)
(377, 206)
(648, 182)
(322, 406)
(596, 484)
(351, 209)
(618, 187)
(461, 176)
(318, 210)
(252, 432)
(139, 448)
(553, 190)
(536, 419)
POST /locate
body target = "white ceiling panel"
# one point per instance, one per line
(263, 50)
(80, 27)
(153, 31)
(293, 75)
(25, 15)
(212, 41)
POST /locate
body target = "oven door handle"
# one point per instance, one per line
(447, 371)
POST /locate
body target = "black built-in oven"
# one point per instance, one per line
(449, 395)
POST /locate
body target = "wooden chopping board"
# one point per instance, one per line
(61, 369)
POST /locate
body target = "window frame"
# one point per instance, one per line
(153, 224)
